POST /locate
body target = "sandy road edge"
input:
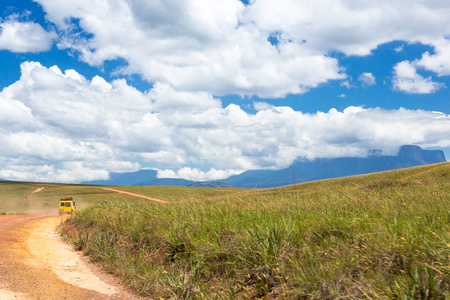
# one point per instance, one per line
(36, 263)
(6, 294)
(49, 250)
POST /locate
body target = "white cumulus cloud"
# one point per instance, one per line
(406, 79)
(367, 79)
(195, 174)
(439, 62)
(24, 37)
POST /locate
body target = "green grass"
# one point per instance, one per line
(13, 197)
(384, 235)
(14, 200)
(178, 194)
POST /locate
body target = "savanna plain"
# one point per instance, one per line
(376, 236)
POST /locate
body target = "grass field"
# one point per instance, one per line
(384, 235)
(17, 198)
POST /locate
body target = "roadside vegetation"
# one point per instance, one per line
(384, 235)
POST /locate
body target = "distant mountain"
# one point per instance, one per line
(415, 153)
(324, 168)
(167, 182)
(299, 171)
(142, 177)
(217, 184)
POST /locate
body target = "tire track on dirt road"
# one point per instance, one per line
(33, 192)
(136, 195)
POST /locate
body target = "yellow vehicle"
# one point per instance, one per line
(67, 206)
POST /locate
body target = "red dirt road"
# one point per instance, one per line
(36, 264)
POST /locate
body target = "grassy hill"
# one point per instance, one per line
(384, 235)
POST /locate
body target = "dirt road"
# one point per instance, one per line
(36, 264)
(136, 195)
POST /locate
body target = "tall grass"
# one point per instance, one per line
(384, 235)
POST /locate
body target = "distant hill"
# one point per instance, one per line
(299, 171)
(167, 182)
(217, 184)
(325, 168)
(142, 177)
(129, 178)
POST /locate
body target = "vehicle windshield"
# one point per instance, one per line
(67, 204)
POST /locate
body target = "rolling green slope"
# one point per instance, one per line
(384, 235)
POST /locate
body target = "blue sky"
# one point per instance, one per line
(207, 89)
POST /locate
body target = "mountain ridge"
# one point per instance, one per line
(299, 171)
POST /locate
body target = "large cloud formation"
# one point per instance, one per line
(60, 126)
(266, 48)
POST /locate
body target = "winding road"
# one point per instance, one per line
(35, 263)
